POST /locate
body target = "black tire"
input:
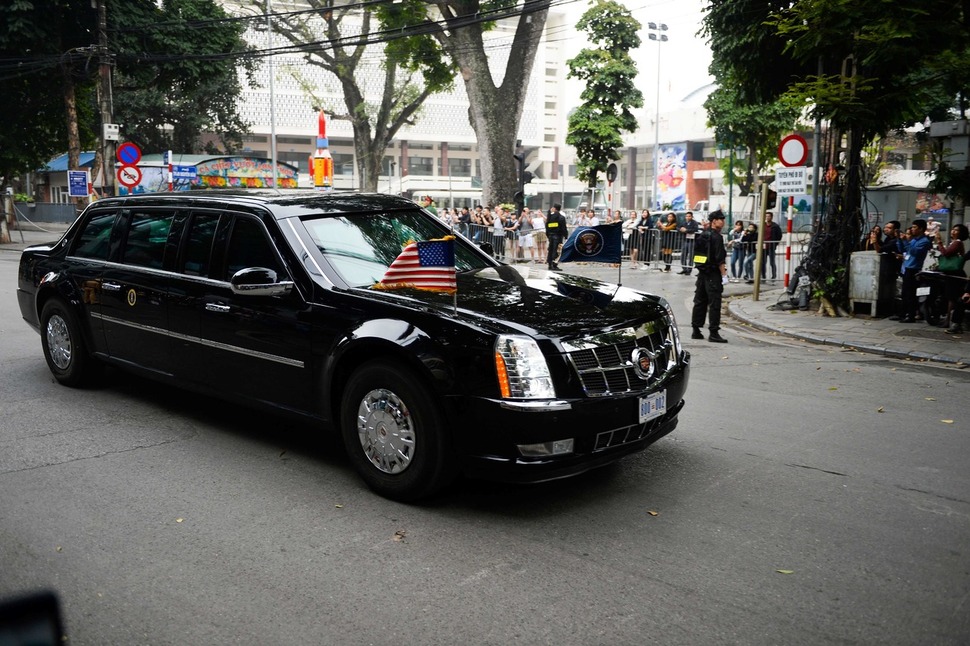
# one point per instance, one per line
(394, 433)
(64, 347)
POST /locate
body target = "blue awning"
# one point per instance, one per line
(59, 164)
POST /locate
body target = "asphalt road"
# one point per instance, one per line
(809, 496)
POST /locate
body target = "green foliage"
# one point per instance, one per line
(178, 66)
(40, 49)
(609, 72)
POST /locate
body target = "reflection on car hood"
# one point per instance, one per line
(541, 302)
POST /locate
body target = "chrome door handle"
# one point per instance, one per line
(111, 287)
(216, 307)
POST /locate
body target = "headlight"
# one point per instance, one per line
(522, 369)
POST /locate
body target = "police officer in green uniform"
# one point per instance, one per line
(712, 276)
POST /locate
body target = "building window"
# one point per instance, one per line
(551, 71)
(343, 164)
(550, 138)
(550, 105)
(423, 166)
(302, 141)
(467, 148)
(420, 146)
(259, 139)
(460, 167)
(300, 160)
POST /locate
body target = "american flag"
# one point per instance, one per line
(424, 265)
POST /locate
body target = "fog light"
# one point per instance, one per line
(559, 447)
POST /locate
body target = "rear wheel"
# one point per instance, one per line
(394, 432)
(64, 347)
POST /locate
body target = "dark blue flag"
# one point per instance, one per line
(603, 243)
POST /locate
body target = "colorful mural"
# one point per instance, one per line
(672, 177)
(216, 172)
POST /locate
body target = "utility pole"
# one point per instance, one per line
(109, 131)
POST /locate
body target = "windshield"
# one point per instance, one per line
(361, 247)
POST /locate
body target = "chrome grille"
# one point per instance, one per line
(604, 362)
(624, 435)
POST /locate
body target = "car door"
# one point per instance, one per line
(256, 347)
(134, 292)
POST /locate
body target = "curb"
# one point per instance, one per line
(736, 313)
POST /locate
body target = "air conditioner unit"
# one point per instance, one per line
(950, 128)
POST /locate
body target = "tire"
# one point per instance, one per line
(394, 433)
(64, 347)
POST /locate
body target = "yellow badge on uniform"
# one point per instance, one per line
(700, 260)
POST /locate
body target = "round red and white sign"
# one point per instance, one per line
(130, 176)
(793, 150)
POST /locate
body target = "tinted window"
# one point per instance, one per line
(361, 247)
(147, 235)
(198, 243)
(249, 247)
(95, 238)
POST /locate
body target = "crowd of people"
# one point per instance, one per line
(909, 252)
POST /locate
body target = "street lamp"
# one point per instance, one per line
(655, 32)
(730, 153)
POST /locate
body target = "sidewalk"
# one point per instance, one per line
(877, 336)
(916, 341)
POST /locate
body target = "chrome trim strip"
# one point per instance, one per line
(306, 251)
(148, 270)
(296, 363)
(525, 406)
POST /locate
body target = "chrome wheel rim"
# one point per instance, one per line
(59, 342)
(386, 431)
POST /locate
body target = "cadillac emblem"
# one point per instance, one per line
(643, 363)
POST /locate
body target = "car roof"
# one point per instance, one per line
(281, 203)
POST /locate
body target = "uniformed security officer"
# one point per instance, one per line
(555, 235)
(712, 276)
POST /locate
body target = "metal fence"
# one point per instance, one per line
(650, 249)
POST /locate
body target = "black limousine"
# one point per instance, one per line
(367, 315)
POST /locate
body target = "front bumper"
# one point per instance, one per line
(604, 429)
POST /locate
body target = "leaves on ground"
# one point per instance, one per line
(785, 571)
(179, 520)
(654, 513)
(947, 421)
(399, 535)
(881, 409)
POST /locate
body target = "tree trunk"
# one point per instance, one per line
(73, 135)
(495, 111)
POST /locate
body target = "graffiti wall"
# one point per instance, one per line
(218, 172)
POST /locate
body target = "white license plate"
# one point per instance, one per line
(923, 291)
(653, 405)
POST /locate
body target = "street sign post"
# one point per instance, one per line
(128, 154)
(793, 151)
(129, 176)
(791, 181)
(77, 183)
(184, 172)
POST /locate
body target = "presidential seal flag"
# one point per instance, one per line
(603, 243)
(426, 265)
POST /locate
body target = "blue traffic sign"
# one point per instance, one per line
(128, 153)
(184, 172)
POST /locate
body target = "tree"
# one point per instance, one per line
(495, 110)
(177, 73)
(756, 127)
(609, 72)
(46, 72)
(865, 68)
(412, 69)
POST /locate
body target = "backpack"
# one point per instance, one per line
(702, 250)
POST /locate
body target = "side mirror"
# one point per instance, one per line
(259, 281)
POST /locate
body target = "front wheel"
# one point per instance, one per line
(64, 347)
(394, 433)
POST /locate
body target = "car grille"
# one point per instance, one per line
(604, 363)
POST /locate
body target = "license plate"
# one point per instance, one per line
(923, 291)
(653, 405)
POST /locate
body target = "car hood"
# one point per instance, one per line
(538, 302)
